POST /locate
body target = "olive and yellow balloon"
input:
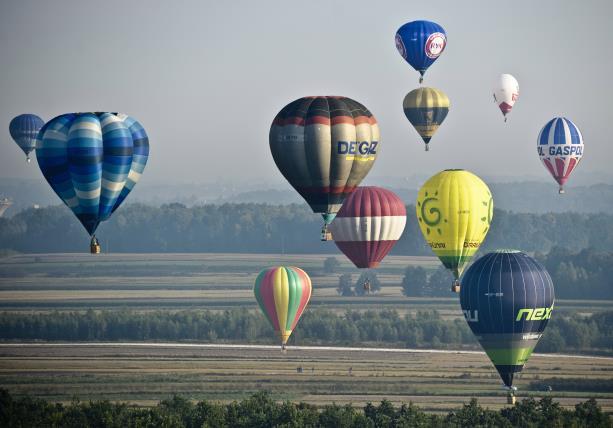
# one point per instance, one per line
(426, 109)
(454, 211)
(283, 293)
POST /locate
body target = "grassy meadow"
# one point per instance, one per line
(145, 374)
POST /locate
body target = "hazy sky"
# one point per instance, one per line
(206, 78)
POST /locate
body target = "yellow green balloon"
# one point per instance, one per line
(283, 294)
(454, 210)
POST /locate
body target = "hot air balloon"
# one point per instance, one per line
(506, 92)
(283, 293)
(426, 109)
(560, 147)
(507, 299)
(368, 225)
(24, 129)
(92, 161)
(420, 43)
(454, 210)
(324, 146)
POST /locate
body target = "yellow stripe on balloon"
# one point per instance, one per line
(281, 294)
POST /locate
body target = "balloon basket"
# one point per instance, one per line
(94, 246)
(283, 349)
(455, 287)
(561, 191)
(511, 399)
(325, 234)
(28, 160)
(427, 148)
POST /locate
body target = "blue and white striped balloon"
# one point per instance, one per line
(560, 148)
(92, 161)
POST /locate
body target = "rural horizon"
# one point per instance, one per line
(321, 214)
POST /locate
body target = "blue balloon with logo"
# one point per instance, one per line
(420, 43)
(92, 161)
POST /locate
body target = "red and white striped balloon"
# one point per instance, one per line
(368, 225)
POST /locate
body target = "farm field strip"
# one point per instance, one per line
(148, 372)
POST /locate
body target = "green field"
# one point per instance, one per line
(145, 374)
(212, 281)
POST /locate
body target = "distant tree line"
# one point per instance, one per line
(262, 228)
(587, 274)
(261, 410)
(425, 329)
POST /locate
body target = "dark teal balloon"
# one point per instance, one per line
(24, 129)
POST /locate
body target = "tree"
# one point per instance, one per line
(368, 279)
(439, 283)
(345, 285)
(415, 282)
(331, 265)
(590, 414)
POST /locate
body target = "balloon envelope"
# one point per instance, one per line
(426, 109)
(454, 211)
(560, 148)
(324, 146)
(92, 161)
(420, 43)
(368, 225)
(24, 129)
(507, 298)
(282, 294)
(506, 93)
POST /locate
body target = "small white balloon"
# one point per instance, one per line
(506, 93)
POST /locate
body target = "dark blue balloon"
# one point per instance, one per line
(24, 129)
(420, 43)
(507, 298)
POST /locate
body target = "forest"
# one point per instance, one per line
(587, 274)
(262, 228)
(425, 329)
(261, 410)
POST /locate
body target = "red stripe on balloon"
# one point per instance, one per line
(365, 254)
(292, 120)
(571, 165)
(268, 297)
(327, 189)
(318, 120)
(370, 201)
(505, 108)
(549, 167)
(559, 168)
